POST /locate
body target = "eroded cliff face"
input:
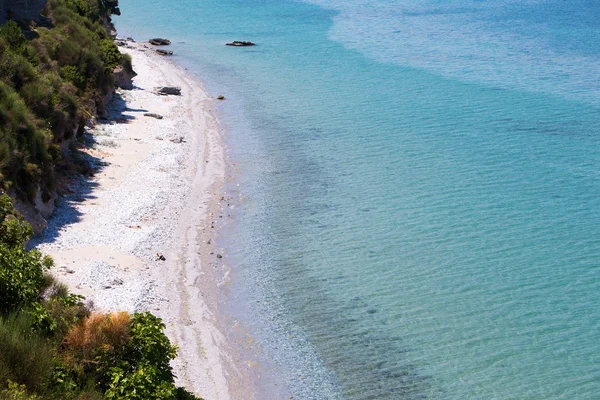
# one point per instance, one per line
(25, 9)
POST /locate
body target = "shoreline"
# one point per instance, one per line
(140, 235)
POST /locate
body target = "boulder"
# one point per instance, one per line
(168, 90)
(220, 97)
(123, 77)
(164, 52)
(159, 42)
(238, 43)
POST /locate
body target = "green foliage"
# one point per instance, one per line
(21, 271)
(13, 36)
(146, 374)
(151, 344)
(57, 314)
(110, 54)
(14, 391)
(14, 230)
(48, 88)
(21, 277)
(71, 74)
(26, 357)
(143, 382)
(126, 63)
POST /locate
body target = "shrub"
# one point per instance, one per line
(21, 277)
(127, 63)
(13, 36)
(14, 230)
(21, 271)
(56, 315)
(111, 56)
(26, 357)
(14, 391)
(98, 335)
(71, 74)
(146, 374)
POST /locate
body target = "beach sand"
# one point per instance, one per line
(140, 234)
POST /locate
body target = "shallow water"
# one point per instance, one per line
(419, 189)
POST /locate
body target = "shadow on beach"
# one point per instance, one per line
(77, 181)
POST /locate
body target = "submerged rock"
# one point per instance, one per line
(164, 52)
(240, 43)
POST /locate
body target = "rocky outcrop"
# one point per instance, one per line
(124, 77)
(38, 212)
(159, 42)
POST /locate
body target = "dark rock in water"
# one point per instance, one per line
(159, 42)
(220, 97)
(238, 43)
(164, 52)
(168, 90)
(153, 115)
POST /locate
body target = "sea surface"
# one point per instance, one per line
(418, 209)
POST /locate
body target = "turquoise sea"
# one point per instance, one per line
(419, 189)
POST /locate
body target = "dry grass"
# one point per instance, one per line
(98, 333)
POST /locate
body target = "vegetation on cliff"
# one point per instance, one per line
(53, 79)
(49, 87)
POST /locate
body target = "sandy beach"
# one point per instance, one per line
(139, 235)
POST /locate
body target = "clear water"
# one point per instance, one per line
(419, 189)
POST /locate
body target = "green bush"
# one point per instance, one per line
(146, 374)
(111, 56)
(14, 230)
(21, 271)
(126, 62)
(14, 391)
(21, 277)
(26, 357)
(71, 73)
(13, 36)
